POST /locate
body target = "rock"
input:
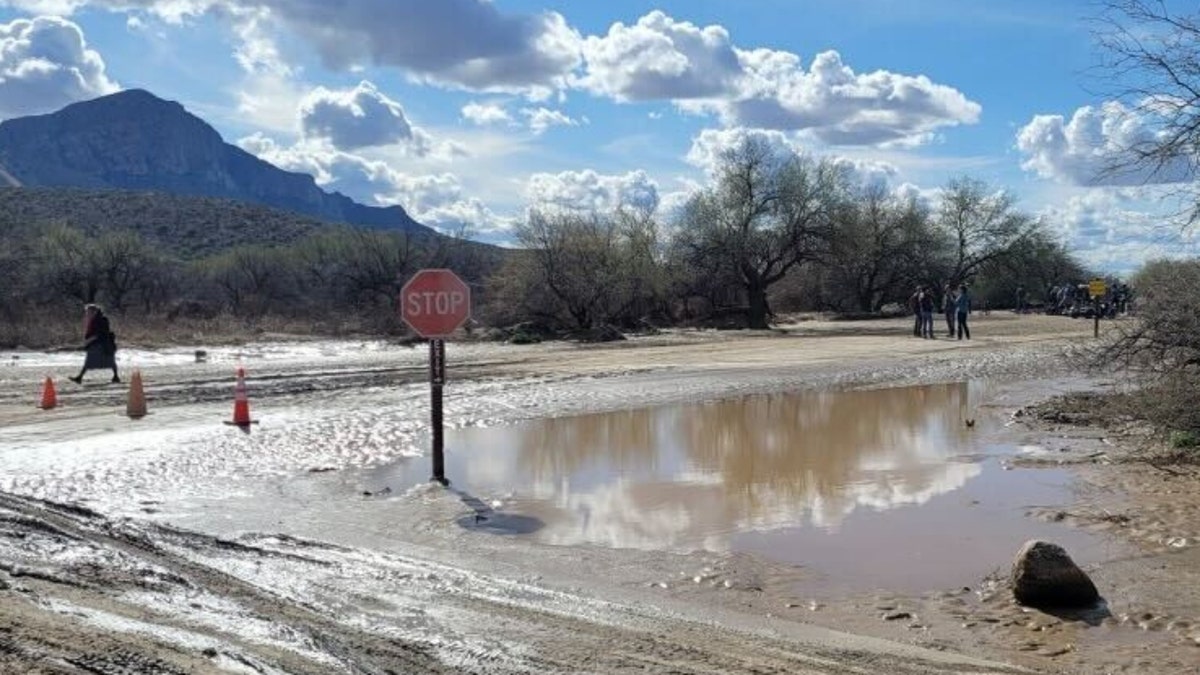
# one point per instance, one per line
(896, 616)
(1043, 575)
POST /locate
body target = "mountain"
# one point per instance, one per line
(187, 227)
(134, 140)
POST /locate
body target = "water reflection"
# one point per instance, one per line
(690, 476)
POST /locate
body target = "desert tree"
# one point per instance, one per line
(252, 280)
(66, 264)
(1150, 61)
(881, 244)
(597, 267)
(373, 266)
(981, 226)
(1162, 347)
(125, 265)
(766, 212)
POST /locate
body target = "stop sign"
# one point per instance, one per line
(435, 303)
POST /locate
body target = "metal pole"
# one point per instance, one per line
(437, 377)
(1096, 311)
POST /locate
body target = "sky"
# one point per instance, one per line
(468, 112)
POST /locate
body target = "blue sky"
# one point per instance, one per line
(467, 111)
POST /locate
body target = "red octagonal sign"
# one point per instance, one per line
(435, 303)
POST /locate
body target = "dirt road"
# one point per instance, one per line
(286, 567)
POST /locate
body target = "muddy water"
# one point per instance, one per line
(867, 489)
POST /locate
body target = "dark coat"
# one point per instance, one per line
(100, 344)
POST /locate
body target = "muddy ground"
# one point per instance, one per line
(194, 551)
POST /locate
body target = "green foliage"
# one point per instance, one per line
(1185, 440)
(181, 226)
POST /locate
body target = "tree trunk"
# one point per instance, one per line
(758, 307)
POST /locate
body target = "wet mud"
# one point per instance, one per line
(666, 538)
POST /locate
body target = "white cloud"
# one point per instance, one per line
(837, 106)
(1118, 229)
(171, 11)
(484, 114)
(357, 118)
(540, 119)
(466, 43)
(45, 64)
(660, 58)
(256, 51)
(367, 181)
(470, 44)
(437, 200)
(711, 144)
(591, 191)
(270, 100)
(1093, 148)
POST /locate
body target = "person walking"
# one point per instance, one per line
(948, 309)
(927, 306)
(962, 306)
(100, 343)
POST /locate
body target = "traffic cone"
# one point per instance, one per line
(136, 407)
(49, 395)
(241, 402)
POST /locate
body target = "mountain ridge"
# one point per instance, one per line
(134, 140)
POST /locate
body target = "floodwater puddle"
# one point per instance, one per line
(904, 489)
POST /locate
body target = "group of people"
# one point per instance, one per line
(955, 306)
(1076, 300)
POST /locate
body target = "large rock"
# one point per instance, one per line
(1043, 575)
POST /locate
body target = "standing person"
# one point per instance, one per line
(100, 343)
(948, 309)
(914, 305)
(927, 306)
(962, 304)
(1020, 299)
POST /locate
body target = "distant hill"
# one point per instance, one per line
(184, 226)
(187, 227)
(134, 140)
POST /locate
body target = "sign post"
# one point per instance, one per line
(1097, 288)
(435, 303)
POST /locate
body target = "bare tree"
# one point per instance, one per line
(882, 243)
(67, 264)
(1150, 60)
(982, 225)
(767, 212)
(598, 267)
(124, 263)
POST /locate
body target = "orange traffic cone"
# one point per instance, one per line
(136, 407)
(241, 403)
(49, 395)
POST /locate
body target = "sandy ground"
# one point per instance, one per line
(200, 552)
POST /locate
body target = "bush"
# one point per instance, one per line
(1162, 347)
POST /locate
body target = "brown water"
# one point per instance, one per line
(885, 488)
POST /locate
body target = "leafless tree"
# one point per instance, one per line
(124, 263)
(67, 264)
(1150, 60)
(982, 226)
(598, 267)
(767, 212)
(881, 245)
